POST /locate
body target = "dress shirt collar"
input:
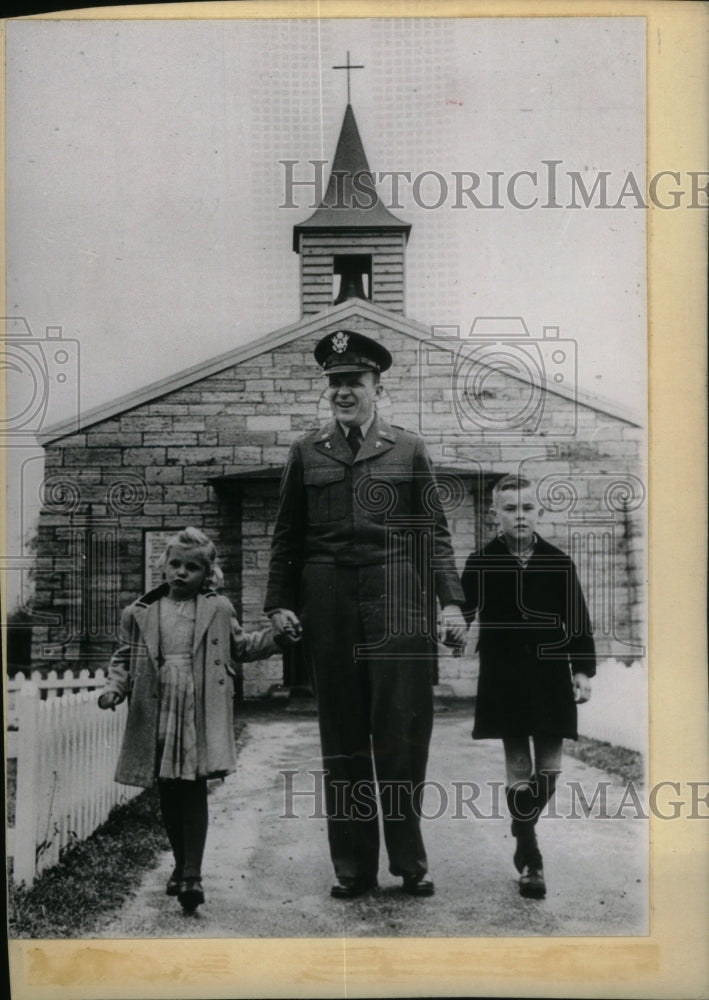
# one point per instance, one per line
(522, 557)
(364, 427)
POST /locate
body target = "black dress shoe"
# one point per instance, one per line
(531, 883)
(417, 885)
(353, 887)
(191, 894)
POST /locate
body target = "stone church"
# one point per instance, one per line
(207, 447)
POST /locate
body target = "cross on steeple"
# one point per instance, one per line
(348, 66)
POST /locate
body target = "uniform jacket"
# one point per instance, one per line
(335, 508)
(219, 640)
(534, 631)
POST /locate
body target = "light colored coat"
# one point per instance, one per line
(219, 640)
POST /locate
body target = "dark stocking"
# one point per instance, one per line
(195, 819)
(521, 802)
(183, 805)
(170, 807)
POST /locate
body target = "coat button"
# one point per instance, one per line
(215, 641)
(221, 680)
(218, 663)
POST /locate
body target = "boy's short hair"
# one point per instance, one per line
(510, 482)
(193, 538)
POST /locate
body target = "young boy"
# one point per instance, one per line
(537, 656)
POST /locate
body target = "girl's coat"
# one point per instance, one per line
(133, 672)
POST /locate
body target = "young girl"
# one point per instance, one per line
(177, 644)
(537, 656)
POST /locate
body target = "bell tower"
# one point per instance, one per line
(351, 246)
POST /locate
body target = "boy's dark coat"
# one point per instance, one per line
(534, 626)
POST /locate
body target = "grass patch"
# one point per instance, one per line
(92, 877)
(626, 764)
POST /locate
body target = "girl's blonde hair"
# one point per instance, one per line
(193, 538)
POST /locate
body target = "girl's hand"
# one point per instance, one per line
(582, 688)
(109, 699)
(286, 625)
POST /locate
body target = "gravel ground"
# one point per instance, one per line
(268, 876)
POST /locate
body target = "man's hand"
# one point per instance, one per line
(582, 688)
(286, 625)
(108, 699)
(453, 626)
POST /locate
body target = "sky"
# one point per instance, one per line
(145, 185)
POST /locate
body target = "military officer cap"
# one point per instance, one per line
(347, 351)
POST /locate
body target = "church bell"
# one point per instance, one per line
(354, 271)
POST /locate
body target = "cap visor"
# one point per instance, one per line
(351, 367)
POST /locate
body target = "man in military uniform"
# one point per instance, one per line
(360, 552)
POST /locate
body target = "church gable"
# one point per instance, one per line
(248, 414)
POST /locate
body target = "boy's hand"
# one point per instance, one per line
(286, 625)
(109, 699)
(453, 626)
(582, 688)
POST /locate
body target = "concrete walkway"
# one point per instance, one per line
(269, 876)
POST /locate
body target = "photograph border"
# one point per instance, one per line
(672, 960)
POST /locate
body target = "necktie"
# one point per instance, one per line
(354, 439)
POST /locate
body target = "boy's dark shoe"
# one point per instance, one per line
(531, 883)
(352, 888)
(417, 885)
(191, 894)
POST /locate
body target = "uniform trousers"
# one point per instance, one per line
(375, 709)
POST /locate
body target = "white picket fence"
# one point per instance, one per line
(66, 750)
(50, 685)
(617, 711)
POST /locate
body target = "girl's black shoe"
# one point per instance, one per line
(173, 883)
(191, 894)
